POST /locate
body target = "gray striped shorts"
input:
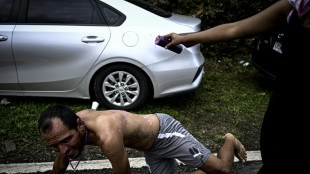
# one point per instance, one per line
(174, 142)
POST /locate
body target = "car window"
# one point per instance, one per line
(5, 10)
(112, 16)
(62, 11)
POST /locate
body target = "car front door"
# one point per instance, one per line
(8, 75)
(56, 42)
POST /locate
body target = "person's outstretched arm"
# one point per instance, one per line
(261, 22)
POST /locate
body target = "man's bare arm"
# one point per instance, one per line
(60, 164)
(114, 150)
(120, 163)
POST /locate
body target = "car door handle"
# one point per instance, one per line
(96, 39)
(3, 38)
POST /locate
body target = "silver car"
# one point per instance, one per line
(94, 48)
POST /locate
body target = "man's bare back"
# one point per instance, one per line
(137, 131)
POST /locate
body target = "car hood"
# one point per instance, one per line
(186, 20)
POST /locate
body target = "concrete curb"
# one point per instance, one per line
(90, 165)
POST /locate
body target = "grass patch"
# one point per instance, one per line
(231, 98)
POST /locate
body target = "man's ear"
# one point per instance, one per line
(79, 124)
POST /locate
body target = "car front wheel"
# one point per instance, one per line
(121, 87)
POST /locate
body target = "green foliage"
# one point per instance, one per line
(214, 13)
(218, 12)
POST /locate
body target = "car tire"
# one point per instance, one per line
(121, 87)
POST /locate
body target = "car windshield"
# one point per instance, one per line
(151, 8)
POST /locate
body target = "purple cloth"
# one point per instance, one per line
(301, 6)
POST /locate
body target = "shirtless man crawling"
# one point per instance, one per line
(162, 138)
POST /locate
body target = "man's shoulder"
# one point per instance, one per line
(84, 112)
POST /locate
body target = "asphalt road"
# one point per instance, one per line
(138, 166)
(247, 168)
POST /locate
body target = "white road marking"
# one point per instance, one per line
(90, 165)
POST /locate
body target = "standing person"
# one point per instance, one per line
(161, 137)
(283, 127)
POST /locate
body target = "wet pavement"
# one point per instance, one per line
(138, 165)
(250, 167)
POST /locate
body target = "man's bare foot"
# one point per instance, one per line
(240, 151)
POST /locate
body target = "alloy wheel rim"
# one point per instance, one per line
(121, 88)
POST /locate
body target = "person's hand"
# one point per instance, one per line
(175, 39)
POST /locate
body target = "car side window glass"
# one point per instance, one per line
(5, 10)
(61, 11)
(112, 16)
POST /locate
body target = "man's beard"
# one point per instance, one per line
(80, 148)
